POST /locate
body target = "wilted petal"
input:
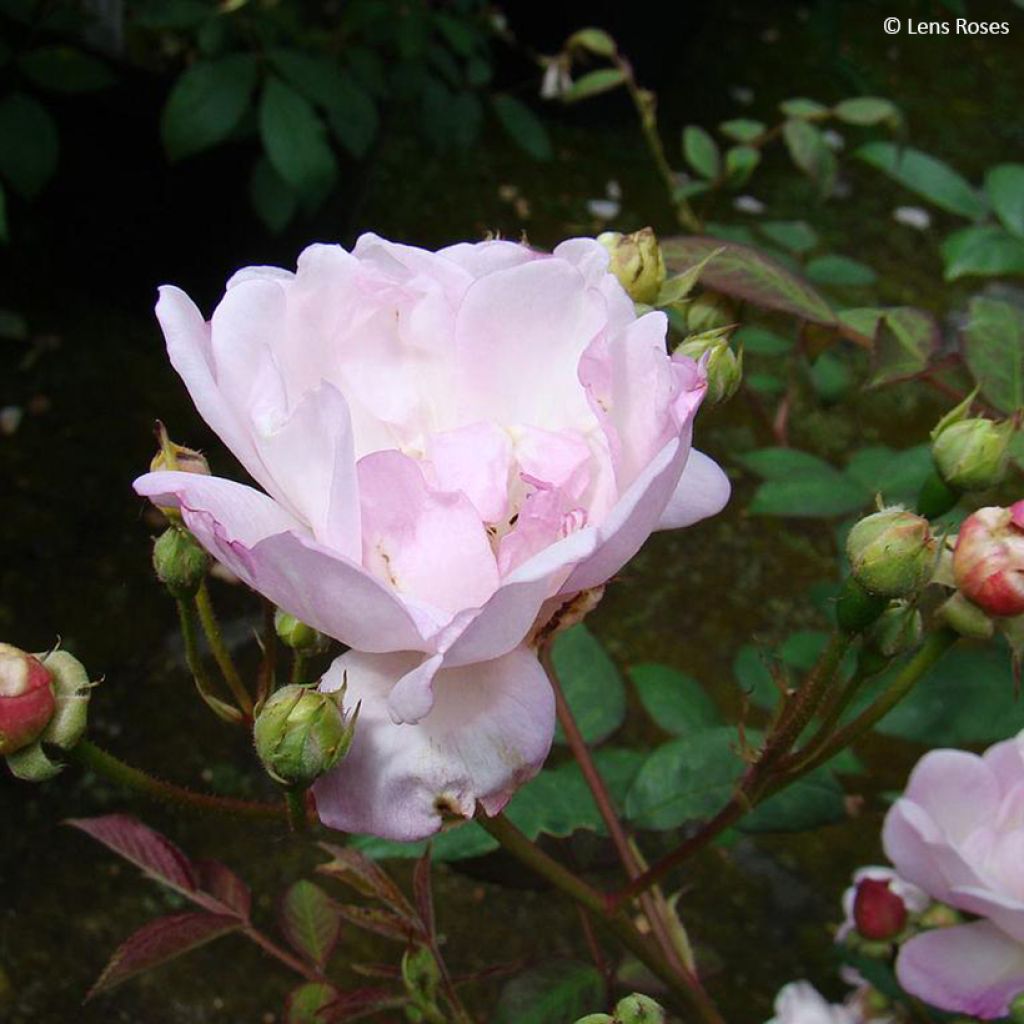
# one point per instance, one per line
(489, 731)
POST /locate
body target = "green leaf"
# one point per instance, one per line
(685, 779)
(676, 701)
(801, 107)
(593, 83)
(800, 484)
(1005, 187)
(206, 104)
(897, 476)
(765, 383)
(305, 1002)
(740, 163)
(993, 343)
(761, 341)
(592, 685)
(28, 144)
(840, 270)
(730, 233)
(747, 274)
(809, 151)
(459, 842)
(742, 129)
(272, 198)
(701, 151)
(596, 40)
(831, 377)
(927, 177)
(353, 118)
(65, 69)
(295, 141)
(523, 126)
(867, 110)
(557, 992)
(984, 250)
(814, 800)
(938, 712)
(754, 678)
(795, 235)
(310, 921)
(903, 339)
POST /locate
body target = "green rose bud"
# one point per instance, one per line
(301, 733)
(638, 1009)
(1017, 1009)
(724, 367)
(892, 552)
(179, 561)
(973, 455)
(637, 262)
(897, 629)
(71, 691)
(708, 311)
(297, 635)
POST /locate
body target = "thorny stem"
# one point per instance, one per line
(581, 752)
(87, 755)
(616, 922)
(645, 103)
(755, 787)
(309, 972)
(214, 637)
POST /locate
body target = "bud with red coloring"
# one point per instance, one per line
(878, 912)
(988, 561)
(27, 701)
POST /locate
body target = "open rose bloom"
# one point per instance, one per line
(450, 445)
(958, 834)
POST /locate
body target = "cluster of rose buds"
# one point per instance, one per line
(43, 704)
(633, 1009)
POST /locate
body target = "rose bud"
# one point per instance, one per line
(896, 630)
(177, 456)
(973, 454)
(892, 552)
(878, 912)
(722, 365)
(301, 733)
(27, 701)
(71, 690)
(638, 1009)
(179, 561)
(637, 262)
(295, 634)
(988, 561)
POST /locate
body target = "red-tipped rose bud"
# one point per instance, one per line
(27, 702)
(878, 912)
(988, 561)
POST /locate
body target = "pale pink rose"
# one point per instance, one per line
(449, 443)
(958, 834)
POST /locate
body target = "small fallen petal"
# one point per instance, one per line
(912, 217)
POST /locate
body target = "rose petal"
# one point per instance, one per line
(957, 789)
(264, 545)
(474, 459)
(703, 491)
(971, 968)
(907, 837)
(427, 544)
(488, 732)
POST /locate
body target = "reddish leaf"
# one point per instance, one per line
(748, 274)
(310, 921)
(224, 886)
(304, 1004)
(381, 921)
(160, 941)
(358, 871)
(155, 854)
(361, 1002)
(423, 894)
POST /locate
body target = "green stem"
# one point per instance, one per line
(933, 648)
(223, 710)
(87, 755)
(298, 815)
(299, 662)
(516, 843)
(211, 627)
